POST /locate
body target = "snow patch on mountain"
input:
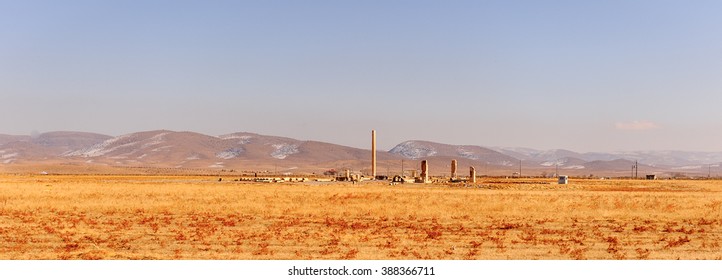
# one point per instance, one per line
(103, 148)
(574, 167)
(467, 154)
(120, 142)
(284, 150)
(230, 153)
(8, 158)
(413, 150)
(243, 139)
(554, 163)
(155, 140)
(162, 149)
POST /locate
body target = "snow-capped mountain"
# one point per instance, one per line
(424, 149)
(250, 151)
(652, 158)
(171, 149)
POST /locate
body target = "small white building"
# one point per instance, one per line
(563, 180)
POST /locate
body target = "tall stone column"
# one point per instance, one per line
(472, 174)
(425, 171)
(453, 169)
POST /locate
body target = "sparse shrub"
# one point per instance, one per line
(642, 254)
(433, 234)
(677, 242)
(350, 255)
(578, 254)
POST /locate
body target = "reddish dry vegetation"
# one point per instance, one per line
(132, 217)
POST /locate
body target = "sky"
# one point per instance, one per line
(579, 75)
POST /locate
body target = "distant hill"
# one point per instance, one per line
(507, 161)
(4, 138)
(424, 149)
(241, 150)
(45, 146)
(245, 151)
(660, 159)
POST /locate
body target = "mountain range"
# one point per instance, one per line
(250, 152)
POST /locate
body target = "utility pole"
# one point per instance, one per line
(635, 169)
(519, 168)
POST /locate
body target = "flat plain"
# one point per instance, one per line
(199, 217)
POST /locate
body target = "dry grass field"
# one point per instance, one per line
(185, 217)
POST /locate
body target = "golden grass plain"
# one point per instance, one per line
(197, 217)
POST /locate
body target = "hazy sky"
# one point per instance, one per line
(580, 75)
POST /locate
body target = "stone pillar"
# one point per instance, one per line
(453, 169)
(472, 174)
(425, 171)
(373, 154)
(348, 175)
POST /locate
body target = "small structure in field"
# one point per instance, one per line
(424, 173)
(403, 180)
(472, 174)
(276, 180)
(397, 179)
(563, 180)
(345, 178)
(652, 177)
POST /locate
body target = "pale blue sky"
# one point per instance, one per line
(580, 75)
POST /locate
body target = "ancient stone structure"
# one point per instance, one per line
(472, 174)
(425, 171)
(453, 169)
